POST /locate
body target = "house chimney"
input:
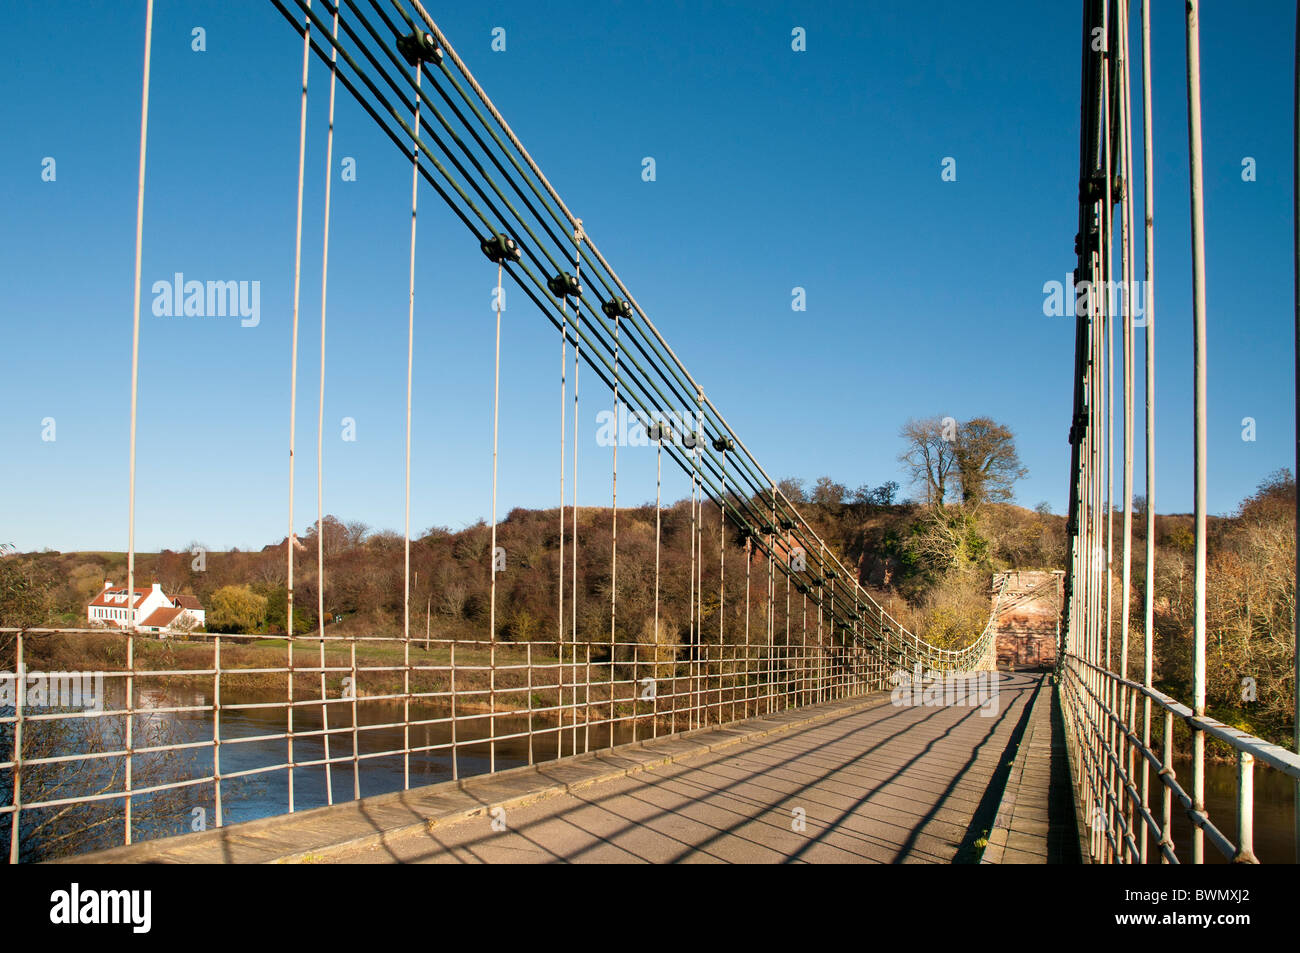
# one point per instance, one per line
(108, 584)
(157, 588)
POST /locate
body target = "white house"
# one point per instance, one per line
(150, 610)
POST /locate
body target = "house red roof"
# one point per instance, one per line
(161, 617)
(189, 602)
(103, 599)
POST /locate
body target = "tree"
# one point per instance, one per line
(25, 589)
(1250, 611)
(882, 495)
(357, 532)
(335, 536)
(929, 455)
(85, 822)
(829, 493)
(275, 610)
(185, 623)
(948, 541)
(236, 609)
(453, 600)
(987, 462)
(792, 488)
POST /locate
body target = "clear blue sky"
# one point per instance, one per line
(775, 169)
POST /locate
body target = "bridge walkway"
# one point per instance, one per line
(857, 780)
(873, 784)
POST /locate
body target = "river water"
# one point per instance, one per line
(1274, 815)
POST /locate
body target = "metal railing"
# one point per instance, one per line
(190, 722)
(1109, 722)
(1108, 716)
(341, 703)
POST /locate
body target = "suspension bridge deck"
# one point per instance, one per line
(856, 780)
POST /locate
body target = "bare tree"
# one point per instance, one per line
(829, 493)
(453, 601)
(792, 489)
(335, 535)
(988, 464)
(272, 572)
(185, 623)
(83, 822)
(356, 533)
(929, 456)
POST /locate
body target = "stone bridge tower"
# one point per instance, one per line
(1028, 618)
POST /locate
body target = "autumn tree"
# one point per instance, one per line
(236, 609)
(827, 492)
(335, 536)
(988, 464)
(792, 489)
(882, 495)
(24, 592)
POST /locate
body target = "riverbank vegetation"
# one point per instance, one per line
(930, 566)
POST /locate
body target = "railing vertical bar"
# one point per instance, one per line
(1166, 768)
(455, 744)
(701, 669)
(20, 697)
(1245, 808)
(722, 588)
(659, 512)
(613, 538)
(354, 691)
(786, 685)
(578, 237)
(749, 652)
(771, 609)
(130, 720)
(216, 731)
(529, 649)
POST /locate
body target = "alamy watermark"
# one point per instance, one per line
(635, 428)
(1067, 299)
(946, 690)
(74, 906)
(212, 299)
(79, 690)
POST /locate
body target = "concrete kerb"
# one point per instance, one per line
(995, 850)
